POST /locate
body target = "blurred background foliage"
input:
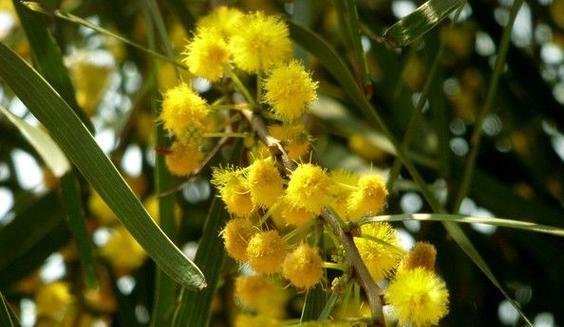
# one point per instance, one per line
(519, 172)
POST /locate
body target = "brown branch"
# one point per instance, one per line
(371, 289)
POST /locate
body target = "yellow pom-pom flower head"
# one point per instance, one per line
(303, 267)
(308, 188)
(182, 107)
(369, 198)
(234, 191)
(223, 19)
(418, 297)
(207, 55)
(260, 42)
(380, 250)
(266, 252)
(183, 159)
(265, 182)
(236, 236)
(289, 90)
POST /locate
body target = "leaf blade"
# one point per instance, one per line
(79, 145)
(423, 19)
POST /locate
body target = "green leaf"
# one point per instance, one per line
(7, 317)
(350, 26)
(48, 56)
(501, 222)
(315, 301)
(195, 308)
(79, 145)
(49, 151)
(329, 306)
(77, 224)
(419, 22)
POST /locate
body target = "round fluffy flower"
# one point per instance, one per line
(418, 297)
(122, 250)
(308, 188)
(303, 267)
(289, 90)
(422, 255)
(53, 300)
(207, 54)
(183, 159)
(265, 182)
(234, 191)
(236, 236)
(223, 19)
(181, 107)
(265, 295)
(266, 252)
(260, 42)
(379, 250)
(294, 137)
(369, 198)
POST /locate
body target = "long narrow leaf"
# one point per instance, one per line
(501, 222)
(48, 56)
(79, 145)
(195, 308)
(77, 224)
(7, 316)
(419, 22)
(49, 151)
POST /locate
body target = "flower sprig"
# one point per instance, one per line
(282, 202)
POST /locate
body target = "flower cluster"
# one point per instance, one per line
(277, 199)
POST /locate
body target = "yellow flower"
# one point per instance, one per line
(100, 209)
(207, 54)
(343, 184)
(247, 320)
(380, 254)
(122, 250)
(265, 182)
(362, 146)
(183, 159)
(369, 198)
(53, 299)
(182, 107)
(303, 267)
(259, 42)
(308, 188)
(223, 19)
(265, 295)
(294, 137)
(236, 236)
(421, 255)
(289, 90)
(234, 191)
(266, 252)
(418, 297)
